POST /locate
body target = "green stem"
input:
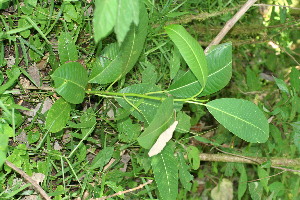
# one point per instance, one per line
(122, 95)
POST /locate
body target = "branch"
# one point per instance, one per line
(252, 160)
(123, 192)
(231, 23)
(36, 186)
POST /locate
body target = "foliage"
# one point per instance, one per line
(115, 96)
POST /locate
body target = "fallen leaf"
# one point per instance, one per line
(34, 72)
(162, 140)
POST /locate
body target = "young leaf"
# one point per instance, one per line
(162, 140)
(184, 174)
(243, 118)
(70, 81)
(162, 120)
(130, 51)
(282, 85)
(104, 18)
(165, 171)
(190, 50)
(58, 115)
(67, 48)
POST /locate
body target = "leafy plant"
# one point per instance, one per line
(127, 105)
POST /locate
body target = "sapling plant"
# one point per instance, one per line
(157, 109)
(128, 89)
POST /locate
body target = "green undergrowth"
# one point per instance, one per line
(104, 97)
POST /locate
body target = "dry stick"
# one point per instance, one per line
(36, 186)
(252, 160)
(123, 192)
(231, 23)
(290, 7)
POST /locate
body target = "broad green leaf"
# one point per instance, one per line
(128, 131)
(105, 16)
(219, 64)
(89, 119)
(184, 174)
(264, 177)
(243, 118)
(186, 86)
(116, 187)
(190, 50)
(242, 181)
(174, 62)
(127, 11)
(147, 107)
(70, 12)
(162, 120)
(295, 79)
(282, 85)
(255, 190)
(129, 53)
(193, 156)
(110, 52)
(3, 144)
(102, 158)
(184, 122)
(70, 80)
(165, 171)
(13, 76)
(66, 48)
(58, 115)
(252, 79)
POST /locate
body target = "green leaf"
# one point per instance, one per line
(190, 50)
(184, 122)
(147, 107)
(58, 115)
(242, 181)
(282, 85)
(186, 86)
(128, 131)
(70, 81)
(184, 174)
(14, 74)
(193, 156)
(102, 158)
(165, 171)
(252, 79)
(105, 16)
(125, 16)
(295, 79)
(162, 120)
(243, 118)
(219, 64)
(255, 190)
(130, 51)
(263, 176)
(67, 48)
(174, 62)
